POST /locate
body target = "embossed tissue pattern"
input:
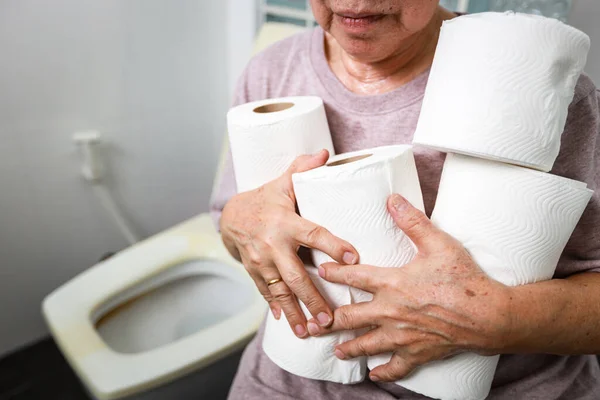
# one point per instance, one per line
(494, 95)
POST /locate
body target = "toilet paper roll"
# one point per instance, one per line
(349, 196)
(313, 357)
(266, 136)
(500, 87)
(515, 223)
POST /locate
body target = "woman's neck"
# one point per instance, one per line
(369, 78)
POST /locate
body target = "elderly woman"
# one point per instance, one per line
(369, 60)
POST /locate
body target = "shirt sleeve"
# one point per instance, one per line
(225, 186)
(579, 159)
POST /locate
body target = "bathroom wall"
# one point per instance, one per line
(585, 16)
(242, 26)
(151, 76)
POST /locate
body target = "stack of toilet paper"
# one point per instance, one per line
(498, 95)
(497, 101)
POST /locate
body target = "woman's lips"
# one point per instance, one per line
(358, 23)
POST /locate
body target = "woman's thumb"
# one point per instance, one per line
(412, 221)
(309, 161)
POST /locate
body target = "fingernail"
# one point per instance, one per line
(276, 313)
(316, 153)
(374, 378)
(398, 202)
(349, 258)
(324, 319)
(321, 272)
(339, 354)
(300, 330)
(313, 329)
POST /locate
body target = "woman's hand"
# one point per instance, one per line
(262, 229)
(438, 305)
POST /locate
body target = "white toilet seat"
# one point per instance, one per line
(72, 309)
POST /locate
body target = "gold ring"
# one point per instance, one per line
(273, 281)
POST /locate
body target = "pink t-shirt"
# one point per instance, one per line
(297, 66)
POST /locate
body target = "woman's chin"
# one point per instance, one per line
(367, 49)
(369, 45)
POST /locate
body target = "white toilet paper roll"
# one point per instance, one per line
(266, 136)
(515, 223)
(349, 196)
(500, 86)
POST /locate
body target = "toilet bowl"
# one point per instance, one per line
(155, 312)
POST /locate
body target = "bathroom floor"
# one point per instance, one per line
(39, 372)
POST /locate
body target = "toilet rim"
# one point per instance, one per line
(109, 374)
(186, 268)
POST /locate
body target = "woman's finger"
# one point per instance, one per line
(294, 273)
(264, 290)
(397, 368)
(262, 287)
(307, 162)
(365, 277)
(415, 224)
(374, 342)
(355, 316)
(406, 359)
(311, 235)
(287, 301)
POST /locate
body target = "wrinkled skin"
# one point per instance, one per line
(387, 53)
(262, 229)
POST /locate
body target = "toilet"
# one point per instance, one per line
(139, 325)
(155, 312)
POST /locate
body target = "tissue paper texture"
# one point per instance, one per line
(466, 376)
(500, 87)
(515, 223)
(350, 200)
(266, 136)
